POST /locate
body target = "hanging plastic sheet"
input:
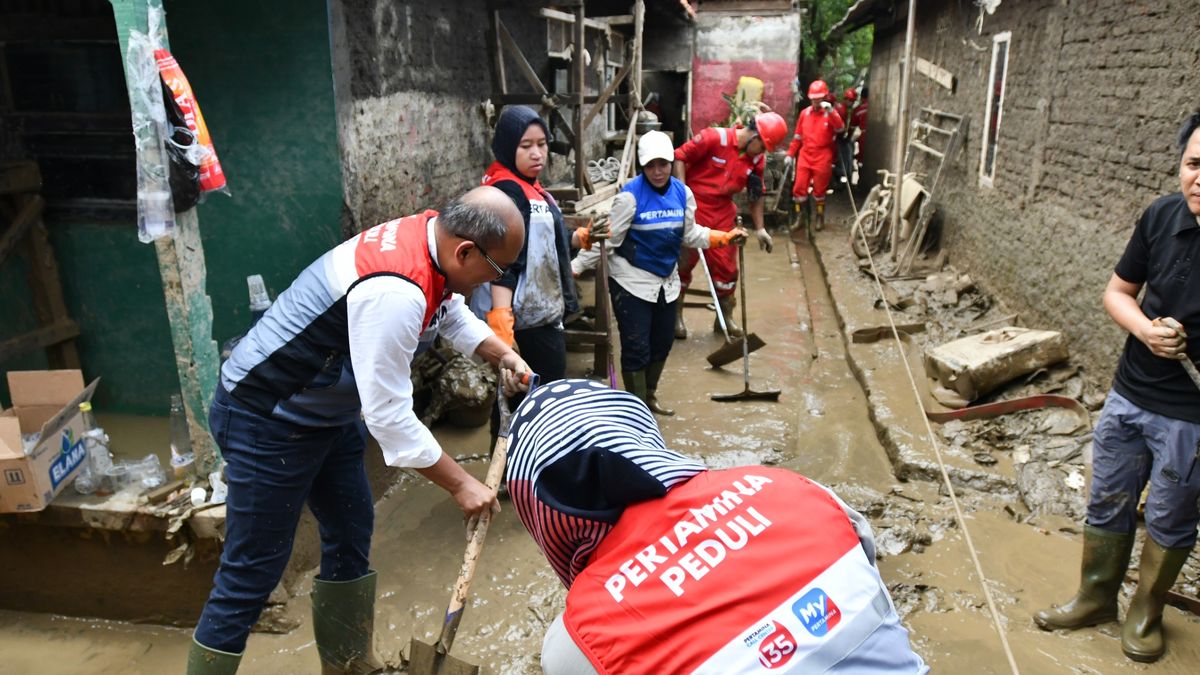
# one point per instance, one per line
(156, 216)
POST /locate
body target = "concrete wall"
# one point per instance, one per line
(1094, 95)
(729, 46)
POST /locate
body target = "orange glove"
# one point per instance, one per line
(585, 241)
(719, 239)
(500, 320)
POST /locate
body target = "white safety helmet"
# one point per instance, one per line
(655, 145)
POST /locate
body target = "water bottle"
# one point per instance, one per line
(95, 441)
(260, 302)
(182, 458)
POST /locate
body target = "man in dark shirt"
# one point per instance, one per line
(1149, 430)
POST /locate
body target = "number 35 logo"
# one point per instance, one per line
(777, 648)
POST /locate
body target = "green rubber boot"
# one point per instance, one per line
(635, 383)
(1142, 634)
(653, 374)
(681, 331)
(1105, 559)
(205, 661)
(725, 306)
(344, 625)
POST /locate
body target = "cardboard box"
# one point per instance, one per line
(45, 400)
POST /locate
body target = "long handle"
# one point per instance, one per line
(608, 335)
(716, 303)
(745, 327)
(1190, 367)
(466, 573)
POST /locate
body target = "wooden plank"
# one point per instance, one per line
(29, 214)
(564, 194)
(41, 337)
(608, 91)
(606, 192)
(936, 73)
(20, 177)
(527, 70)
(46, 288)
(580, 78)
(555, 15)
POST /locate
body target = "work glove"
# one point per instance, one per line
(826, 106)
(500, 320)
(788, 162)
(764, 239)
(719, 239)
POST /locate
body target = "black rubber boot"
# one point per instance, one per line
(681, 331)
(344, 625)
(205, 661)
(1142, 634)
(653, 374)
(819, 224)
(1105, 559)
(635, 383)
(725, 306)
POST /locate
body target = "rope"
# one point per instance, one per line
(983, 581)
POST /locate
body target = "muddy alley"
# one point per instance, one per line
(847, 417)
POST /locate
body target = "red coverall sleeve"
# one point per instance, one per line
(797, 137)
(694, 149)
(836, 121)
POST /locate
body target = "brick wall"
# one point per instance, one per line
(1094, 95)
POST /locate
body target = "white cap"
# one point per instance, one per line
(655, 145)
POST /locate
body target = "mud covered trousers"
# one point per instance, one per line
(273, 469)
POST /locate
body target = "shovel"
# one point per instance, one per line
(732, 349)
(747, 394)
(435, 659)
(608, 317)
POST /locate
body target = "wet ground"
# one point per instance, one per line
(846, 417)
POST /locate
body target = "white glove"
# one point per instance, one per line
(826, 106)
(764, 240)
(788, 162)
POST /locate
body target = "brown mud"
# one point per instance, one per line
(846, 418)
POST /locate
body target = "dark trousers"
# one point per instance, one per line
(273, 468)
(647, 328)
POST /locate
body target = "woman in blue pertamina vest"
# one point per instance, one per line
(651, 218)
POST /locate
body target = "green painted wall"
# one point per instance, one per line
(261, 71)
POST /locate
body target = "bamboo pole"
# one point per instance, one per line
(902, 125)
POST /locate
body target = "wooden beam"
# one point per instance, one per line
(527, 70)
(45, 336)
(555, 15)
(20, 177)
(580, 70)
(608, 91)
(602, 193)
(29, 214)
(500, 80)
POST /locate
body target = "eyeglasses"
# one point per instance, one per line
(500, 271)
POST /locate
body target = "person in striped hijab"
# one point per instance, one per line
(674, 568)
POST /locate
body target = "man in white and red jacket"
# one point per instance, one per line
(672, 568)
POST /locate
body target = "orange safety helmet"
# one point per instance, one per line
(771, 129)
(851, 94)
(818, 89)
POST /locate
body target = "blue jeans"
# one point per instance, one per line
(647, 328)
(1133, 446)
(273, 468)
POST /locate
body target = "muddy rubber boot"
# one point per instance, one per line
(635, 383)
(726, 306)
(804, 218)
(653, 374)
(344, 625)
(1142, 636)
(1105, 558)
(681, 331)
(205, 661)
(795, 224)
(819, 223)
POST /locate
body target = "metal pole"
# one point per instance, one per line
(902, 125)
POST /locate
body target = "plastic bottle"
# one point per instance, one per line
(182, 458)
(95, 441)
(260, 302)
(219, 489)
(85, 482)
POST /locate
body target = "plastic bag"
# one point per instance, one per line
(184, 154)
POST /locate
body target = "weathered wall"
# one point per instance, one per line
(729, 46)
(1094, 95)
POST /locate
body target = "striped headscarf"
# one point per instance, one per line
(578, 454)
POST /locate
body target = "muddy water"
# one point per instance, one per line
(820, 426)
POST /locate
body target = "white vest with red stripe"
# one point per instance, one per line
(735, 571)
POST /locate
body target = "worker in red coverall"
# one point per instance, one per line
(812, 150)
(716, 164)
(858, 121)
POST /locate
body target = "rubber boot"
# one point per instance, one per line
(1105, 558)
(819, 224)
(205, 661)
(635, 383)
(681, 331)
(795, 224)
(344, 625)
(726, 306)
(804, 218)
(653, 374)
(1142, 635)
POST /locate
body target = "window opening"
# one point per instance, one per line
(995, 108)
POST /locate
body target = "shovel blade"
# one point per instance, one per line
(747, 395)
(732, 351)
(424, 659)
